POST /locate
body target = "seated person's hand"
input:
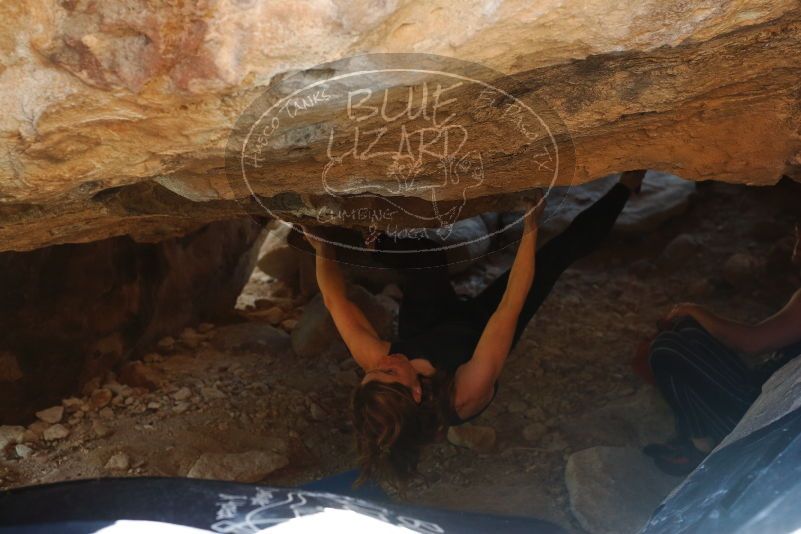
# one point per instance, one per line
(685, 309)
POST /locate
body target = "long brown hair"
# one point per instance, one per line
(392, 429)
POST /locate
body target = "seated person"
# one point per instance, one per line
(696, 365)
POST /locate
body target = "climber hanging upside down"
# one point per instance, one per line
(444, 368)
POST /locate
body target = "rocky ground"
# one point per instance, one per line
(237, 395)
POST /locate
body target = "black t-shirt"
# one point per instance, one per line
(446, 346)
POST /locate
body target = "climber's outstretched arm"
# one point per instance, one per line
(475, 380)
(359, 335)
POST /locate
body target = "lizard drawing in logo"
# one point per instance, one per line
(421, 163)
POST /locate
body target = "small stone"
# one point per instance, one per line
(289, 324)
(534, 431)
(210, 393)
(190, 337)
(182, 394)
(23, 451)
(118, 462)
(37, 428)
(166, 344)
(100, 398)
(56, 432)
(118, 389)
(91, 385)
(317, 413)
(153, 405)
(10, 435)
(100, 430)
(138, 375)
(73, 404)
(517, 407)
(679, 250)
(152, 357)
(273, 315)
(205, 328)
(701, 288)
(740, 269)
(180, 407)
(51, 415)
(107, 413)
(476, 438)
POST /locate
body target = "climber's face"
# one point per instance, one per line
(396, 368)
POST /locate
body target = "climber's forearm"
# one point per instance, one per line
(521, 275)
(329, 276)
(356, 330)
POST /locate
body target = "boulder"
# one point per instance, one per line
(740, 269)
(273, 315)
(251, 336)
(249, 466)
(614, 490)
(663, 196)
(633, 421)
(316, 333)
(155, 76)
(473, 437)
(681, 248)
(279, 259)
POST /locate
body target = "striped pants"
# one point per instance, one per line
(706, 384)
